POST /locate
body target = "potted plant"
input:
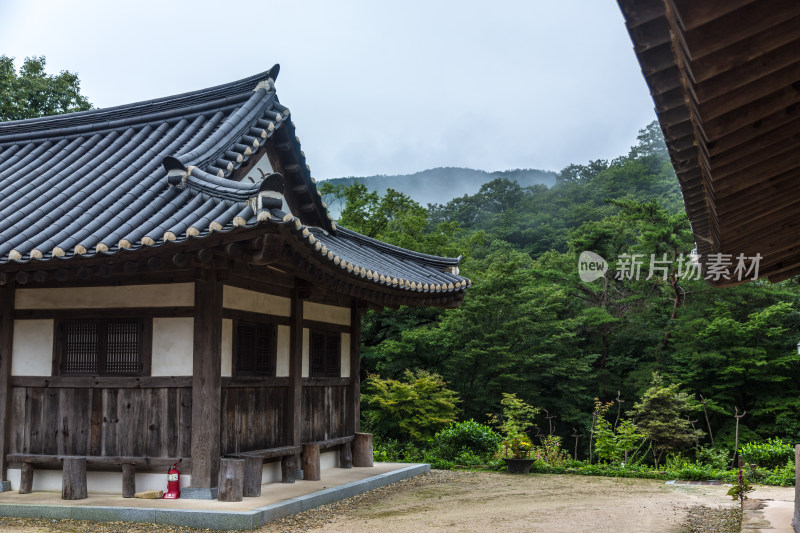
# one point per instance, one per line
(516, 448)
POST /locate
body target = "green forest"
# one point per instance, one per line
(573, 350)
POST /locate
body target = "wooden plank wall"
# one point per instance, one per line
(325, 413)
(252, 418)
(147, 422)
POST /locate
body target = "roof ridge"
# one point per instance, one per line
(218, 92)
(431, 260)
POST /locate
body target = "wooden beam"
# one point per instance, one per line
(354, 390)
(206, 380)
(6, 346)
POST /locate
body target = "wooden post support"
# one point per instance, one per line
(346, 455)
(362, 449)
(796, 484)
(253, 467)
(294, 411)
(353, 407)
(128, 480)
(231, 480)
(311, 467)
(206, 380)
(6, 347)
(26, 479)
(288, 468)
(73, 481)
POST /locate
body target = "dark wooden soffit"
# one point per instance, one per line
(725, 79)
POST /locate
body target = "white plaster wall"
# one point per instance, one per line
(227, 347)
(97, 482)
(166, 295)
(306, 364)
(263, 164)
(328, 460)
(282, 362)
(173, 339)
(32, 354)
(326, 313)
(256, 302)
(271, 472)
(345, 350)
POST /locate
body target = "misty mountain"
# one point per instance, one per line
(440, 185)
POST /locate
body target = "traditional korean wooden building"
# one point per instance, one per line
(725, 78)
(172, 288)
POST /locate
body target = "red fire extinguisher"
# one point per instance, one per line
(173, 483)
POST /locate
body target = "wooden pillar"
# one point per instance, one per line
(6, 346)
(796, 519)
(128, 480)
(362, 449)
(253, 467)
(294, 413)
(311, 466)
(206, 380)
(288, 468)
(26, 479)
(346, 455)
(231, 480)
(73, 482)
(354, 390)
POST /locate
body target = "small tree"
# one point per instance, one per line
(614, 445)
(660, 415)
(517, 419)
(415, 407)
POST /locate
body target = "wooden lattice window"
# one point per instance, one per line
(325, 354)
(101, 347)
(255, 351)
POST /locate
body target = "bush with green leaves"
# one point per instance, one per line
(615, 445)
(782, 476)
(470, 441)
(412, 408)
(713, 457)
(769, 454)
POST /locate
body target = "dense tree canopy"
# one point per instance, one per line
(33, 93)
(530, 326)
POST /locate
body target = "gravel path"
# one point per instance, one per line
(469, 501)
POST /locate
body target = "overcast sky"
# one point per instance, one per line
(375, 87)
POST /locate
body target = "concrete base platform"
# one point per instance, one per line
(276, 501)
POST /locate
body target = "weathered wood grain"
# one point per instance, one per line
(362, 449)
(26, 478)
(6, 347)
(128, 480)
(73, 484)
(253, 467)
(311, 465)
(206, 381)
(231, 480)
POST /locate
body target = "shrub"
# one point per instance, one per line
(471, 440)
(769, 454)
(394, 451)
(550, 452)
(415, 407)
(713, 457)
(782, 476)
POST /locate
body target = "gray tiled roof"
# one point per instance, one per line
(95, 183)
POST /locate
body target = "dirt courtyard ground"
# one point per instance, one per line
(478, 502)
(495, 502)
